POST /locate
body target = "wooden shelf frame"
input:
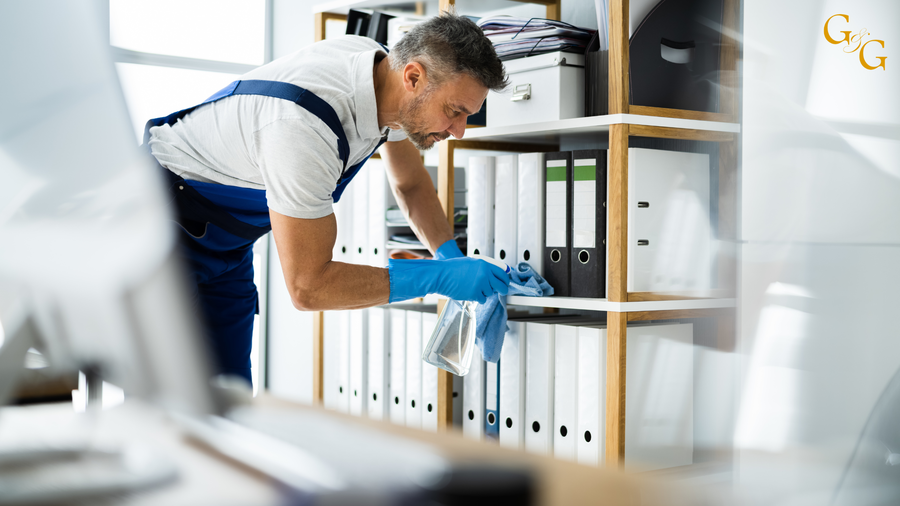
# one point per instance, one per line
(625, 120)
(335, 10)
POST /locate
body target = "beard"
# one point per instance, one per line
(414, 126)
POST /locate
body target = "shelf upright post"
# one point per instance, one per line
(554, 10)
(321, 19)
(446, 5)
(445, 195)
(618, 235)
(318, 339)
(318, 353)
(445, 182)
(728, 151)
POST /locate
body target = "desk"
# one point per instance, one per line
(204, 477)
(209, 478)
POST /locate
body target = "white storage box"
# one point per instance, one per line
(546, 87)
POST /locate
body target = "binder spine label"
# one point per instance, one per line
(557, 224)
(584, 200)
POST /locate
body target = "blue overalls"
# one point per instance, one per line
(220, 223)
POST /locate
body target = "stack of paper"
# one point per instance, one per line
(519, 37)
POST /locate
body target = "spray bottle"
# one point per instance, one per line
(452, 344)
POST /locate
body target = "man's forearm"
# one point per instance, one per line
(426, 217)
(343, 286)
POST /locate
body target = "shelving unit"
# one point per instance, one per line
(592, 128)
(583, 304)
(613, 130)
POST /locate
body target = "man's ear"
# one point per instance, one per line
(414, 77)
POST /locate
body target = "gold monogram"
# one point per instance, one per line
(855, 42)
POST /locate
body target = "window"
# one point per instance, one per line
(173, 54)
(221, 30)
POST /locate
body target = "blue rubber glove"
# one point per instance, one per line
(457, 278)
(448, 250)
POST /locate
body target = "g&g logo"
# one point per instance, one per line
(855, 42)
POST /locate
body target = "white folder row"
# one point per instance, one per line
(380, 199)
(343, 361)
(397, 399)
(505, 201)
(480, 197)
(539, 374)
(359, 360)
(414, 369)
(331, 361)
(473, 415)
(506, 209)
(530, 203)
(671, 248)
(658, 397)
(512, 387)
(360, 215)
(429, 377)
(361, 211)
(379, 368)
(547, 395)
(552, 392)
(374, 366)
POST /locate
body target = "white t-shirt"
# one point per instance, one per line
(273, 144)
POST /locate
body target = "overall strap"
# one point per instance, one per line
(347, 175)
(275, 89)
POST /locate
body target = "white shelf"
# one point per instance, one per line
(404, 245)
(587, 129)
(472, 7)
(621, 307)
(344, 6)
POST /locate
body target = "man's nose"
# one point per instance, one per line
(457, 127)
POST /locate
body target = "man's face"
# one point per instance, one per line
(438, 112)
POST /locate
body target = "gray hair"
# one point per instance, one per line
(448, 45)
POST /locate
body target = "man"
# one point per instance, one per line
(277, 148)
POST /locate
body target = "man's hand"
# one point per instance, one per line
(457, 278)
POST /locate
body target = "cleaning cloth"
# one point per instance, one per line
(490, 317)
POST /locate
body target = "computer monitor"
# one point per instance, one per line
(88, 273)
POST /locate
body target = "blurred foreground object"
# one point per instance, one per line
(819, 256)
(87, 273)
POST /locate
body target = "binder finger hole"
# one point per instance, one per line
(555, 256)
(359, 250)
(587, 436)
(491, 418)
(343, 249)
(376, 251)
(354, 393)
(341, 389)
(428, 407)
(477, 252)
(509, 423)
(584, 257)
(563, 430)
(471, 415)
(536, 427)
(374, 397)
(413, 402)
(502, 254)
(526, 255)
(397, 401)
